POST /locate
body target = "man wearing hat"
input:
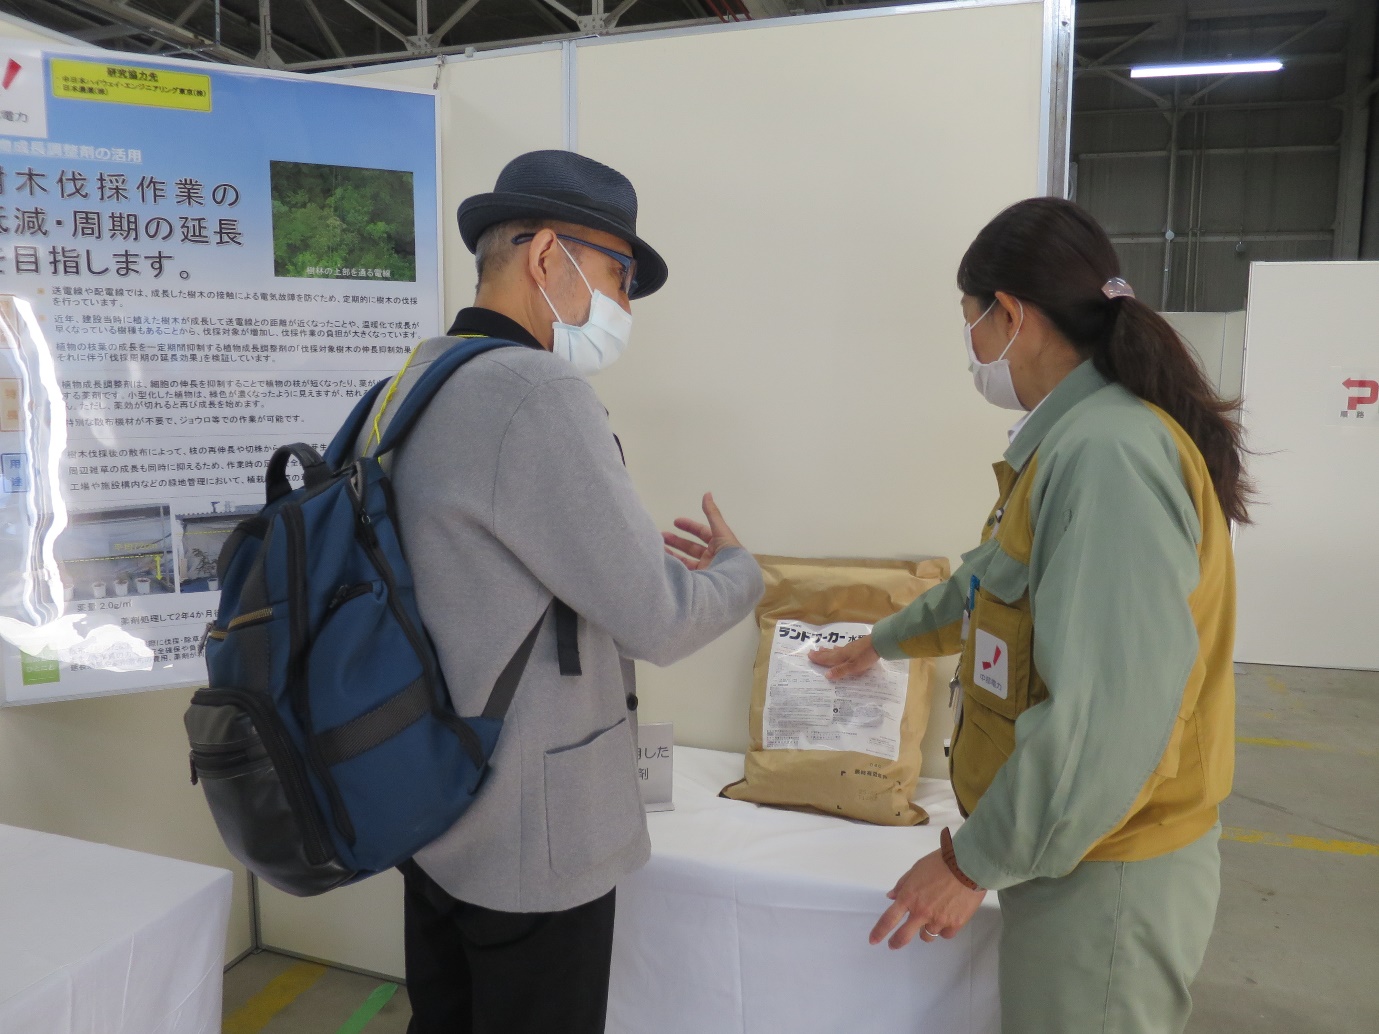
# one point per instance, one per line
(512, 494)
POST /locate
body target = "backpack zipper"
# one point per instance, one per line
(219, 758)
(254, 617)
(344, 594)
(298, 622)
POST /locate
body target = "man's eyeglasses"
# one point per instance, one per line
(628, 282)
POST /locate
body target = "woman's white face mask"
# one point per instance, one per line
(993, 379)
(601, 340)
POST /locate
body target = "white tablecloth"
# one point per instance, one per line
(96, 939)
(752, 920)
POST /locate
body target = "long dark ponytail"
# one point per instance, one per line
(1053, 254)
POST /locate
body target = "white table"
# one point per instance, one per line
(752, 920)
(96, 939)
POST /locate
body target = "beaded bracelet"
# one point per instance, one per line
(950, 859)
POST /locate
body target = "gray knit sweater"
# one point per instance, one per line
(510, 490)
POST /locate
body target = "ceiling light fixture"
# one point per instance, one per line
(1205, 68)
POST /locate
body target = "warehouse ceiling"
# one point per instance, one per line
(1198, 176)
(306, 35)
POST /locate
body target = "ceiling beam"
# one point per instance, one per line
(169, 31)
(100, 33)
(323, 28)
(1092, 15)
(559, 8)
(1277, 51)
(620, 10)
(454, 19)
(190, 10)
(383, 24)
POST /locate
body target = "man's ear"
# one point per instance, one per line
(541, 254)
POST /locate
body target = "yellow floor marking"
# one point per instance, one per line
(1255, 836)
(1268, 741)
(1276, 683)
(282, 991)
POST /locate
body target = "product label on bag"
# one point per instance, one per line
(805, 711)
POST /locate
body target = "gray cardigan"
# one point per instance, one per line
(511, 489)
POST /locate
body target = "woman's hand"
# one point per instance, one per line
(853, 659)
(713, 537)
(929, 901)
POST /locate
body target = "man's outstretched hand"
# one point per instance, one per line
(713, 538)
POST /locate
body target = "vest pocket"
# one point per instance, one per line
(997, 659)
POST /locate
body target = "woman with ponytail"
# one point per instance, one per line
(1095, 699)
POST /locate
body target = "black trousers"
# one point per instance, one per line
(472, 970)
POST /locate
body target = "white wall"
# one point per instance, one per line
(1218, 340)
(112, 770)
(813, 196)
(1308, 594)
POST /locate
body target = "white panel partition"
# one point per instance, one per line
(1217, 339)
(1308, 595)
(812, 186)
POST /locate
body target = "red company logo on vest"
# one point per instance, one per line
(12, 69)
(992, 670)
(1362, 399)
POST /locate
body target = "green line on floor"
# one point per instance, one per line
(1255, 836)
(372, 1005)
(281, 991)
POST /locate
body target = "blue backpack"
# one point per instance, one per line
(326, 742)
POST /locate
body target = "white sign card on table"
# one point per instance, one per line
(211, 263)
(655, 765)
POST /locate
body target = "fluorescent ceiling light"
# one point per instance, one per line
(1205, 68)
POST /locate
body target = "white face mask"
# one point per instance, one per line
(993, 380)
(603, 338)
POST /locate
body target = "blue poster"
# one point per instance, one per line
(210, 263)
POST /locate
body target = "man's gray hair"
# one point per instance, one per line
(494, 248)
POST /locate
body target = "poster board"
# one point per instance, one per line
(212, 262)
(1306, 591)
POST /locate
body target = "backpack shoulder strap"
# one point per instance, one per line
(430, 382)
(341, 449)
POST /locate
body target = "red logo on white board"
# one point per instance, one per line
(12, 69)
(1362, 397)
(995, 658)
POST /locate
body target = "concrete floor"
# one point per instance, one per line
(269, 993)
(1296, 947)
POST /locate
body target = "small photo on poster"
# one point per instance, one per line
(343, 223)
(203, 537)
(116, 552)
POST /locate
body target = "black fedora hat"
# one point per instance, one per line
(569, 188)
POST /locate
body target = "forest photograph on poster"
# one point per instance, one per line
(338, 222)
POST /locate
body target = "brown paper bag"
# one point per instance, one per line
(849, 748)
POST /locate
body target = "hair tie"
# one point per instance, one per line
(1117, 288)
